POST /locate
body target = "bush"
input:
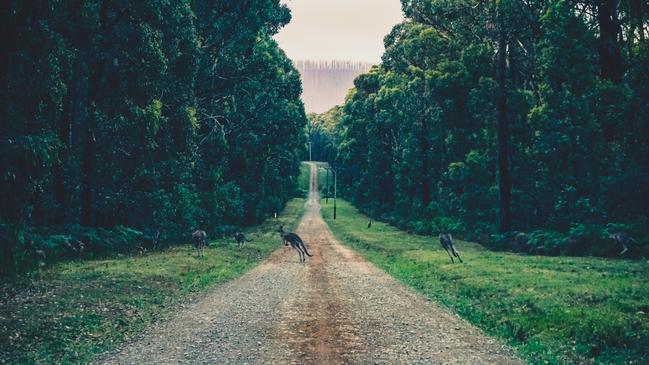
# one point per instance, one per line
(580, 240)
(38, 248)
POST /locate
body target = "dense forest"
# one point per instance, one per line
(135, 122)
(488, 118)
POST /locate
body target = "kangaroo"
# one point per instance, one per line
(369, 224)
(240, 238)
(74, 248)
(200, 241)
(295, 241)
(521, 239)
(35, 254)
(622, 239)
(447, 243)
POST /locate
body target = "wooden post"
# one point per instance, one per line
(335, 187)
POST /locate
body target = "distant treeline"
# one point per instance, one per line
(496, 117)
(326, 83)
(332, 65)
(138, 121)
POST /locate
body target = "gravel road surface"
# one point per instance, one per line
(335, 309)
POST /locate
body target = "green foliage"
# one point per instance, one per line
(418, 137)
(304, 179)
(73, 311)
(156, 115)
(553, 310)
(580, 240)
(323, 134)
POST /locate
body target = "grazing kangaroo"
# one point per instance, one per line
(447, 243)
(295, 241)
(74, 248)
(622, 239)
(521, 239)
(32, 252)
(200, 241)
(240, 238)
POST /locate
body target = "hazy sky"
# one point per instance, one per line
(338, 29)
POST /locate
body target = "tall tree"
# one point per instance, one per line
(527, 130)
(504, 179)
(155, 115)
(609, 35)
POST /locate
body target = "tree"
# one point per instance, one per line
(154, 115)
(609, 33)
(504, 180)
(489, 117)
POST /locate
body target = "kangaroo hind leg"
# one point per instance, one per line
(457, 254)
(449, 255)
(303, 254)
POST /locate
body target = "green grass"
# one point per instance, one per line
(303, 179)
(70, 312)
(553, 310)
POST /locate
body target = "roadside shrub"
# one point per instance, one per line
(449, 224)
(580, 240)
(420, 227)
(541, 242)
(38, 248)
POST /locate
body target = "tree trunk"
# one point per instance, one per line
(609, 47)
(4, 57)
(14, 18)
(504, 180)
(88, 164)
(636, 8)
(424, 145)
(88, 167)
(59, 174)
(7, 260)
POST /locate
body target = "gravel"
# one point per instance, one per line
(335, 309)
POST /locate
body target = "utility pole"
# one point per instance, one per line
(310, 143)
(335, 188)
(335, 185)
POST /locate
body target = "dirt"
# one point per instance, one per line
(334, 309)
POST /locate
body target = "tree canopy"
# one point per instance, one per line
(142, 117)
(501, 116)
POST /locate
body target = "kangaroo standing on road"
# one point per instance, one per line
(200, 241)
(447, 243)
(295, 241)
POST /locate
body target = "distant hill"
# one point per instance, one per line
(326, 83)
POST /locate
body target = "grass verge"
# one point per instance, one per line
(70, 312)
(553, 310)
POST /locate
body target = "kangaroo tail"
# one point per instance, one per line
(305, 251)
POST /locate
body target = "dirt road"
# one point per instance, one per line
(335, 309)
